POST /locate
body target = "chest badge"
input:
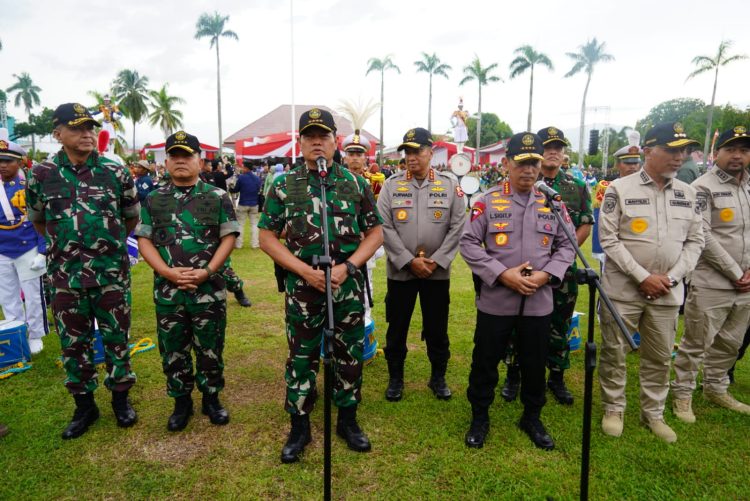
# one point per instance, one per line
(501, 239)
(726, 215)
(402, 215)
(639, 225)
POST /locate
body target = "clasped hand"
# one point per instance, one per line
(186, 278)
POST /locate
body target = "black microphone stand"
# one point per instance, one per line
(588, 276)
(324, 262)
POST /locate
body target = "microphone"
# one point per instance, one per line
(322, 166)
(547, 191)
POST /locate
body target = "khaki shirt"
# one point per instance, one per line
(725, 205)
(645, 230)
(429, 217)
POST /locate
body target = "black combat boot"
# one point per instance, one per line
(214, 410)
(480, 426)
(395, 389)
(242, 298)
(437, 381)
(533, 427)
(348, 429)
(556, 385)
(299, 437)
(183, 409)
(512, 383)
(85, 414)
(124, 412)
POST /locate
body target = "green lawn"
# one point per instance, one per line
(418, 450)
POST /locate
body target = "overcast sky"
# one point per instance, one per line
(73, 46)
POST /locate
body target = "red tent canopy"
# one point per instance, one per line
(277, 145)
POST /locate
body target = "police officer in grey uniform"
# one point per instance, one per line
(423, 212)
(718, 304)
(651, 232)
(511, 228)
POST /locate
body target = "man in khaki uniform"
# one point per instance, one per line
(718, 305)
(423, 213)
(652, 236)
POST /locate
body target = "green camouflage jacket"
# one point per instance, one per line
(575, 194)
(293, 205)
(186, 227)
(84, 209)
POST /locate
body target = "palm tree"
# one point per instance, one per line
(130, 92)
(212, 27)
(475, 71)
(381, 65)
(527, 58)
(431, 64)
(28, 93)
(704, 64)
(588, 56)
(163, 112)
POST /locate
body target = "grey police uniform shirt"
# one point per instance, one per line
(644, 230)
(724, 204)
(416, 217)
(506, 230)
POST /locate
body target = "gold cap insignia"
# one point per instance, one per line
(527, 140)
(78, 108)
(3, 145)
(678, 128)
(314, 113)
(180, 136)
(552, 131)
(410, 135)
(740, 130)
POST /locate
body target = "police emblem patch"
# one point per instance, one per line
(314, 113)
(527, 140)
(610, 202)
(78, 108)
(180, 136)
(552, 131)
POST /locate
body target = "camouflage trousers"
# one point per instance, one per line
(74, 311)
(232, 279)
(201, 327)
(564, 301)
(305, 319)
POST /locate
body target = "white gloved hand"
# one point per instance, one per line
(39, 262)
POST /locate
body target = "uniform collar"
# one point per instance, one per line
(726, 178)
(63, 159)
(430, 175)
(644, 178)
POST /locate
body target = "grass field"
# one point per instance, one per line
(418, 450)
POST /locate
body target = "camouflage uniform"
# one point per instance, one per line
(575, 194)
(186, 227)
(292, 205)
(84, 208)
(232, 279)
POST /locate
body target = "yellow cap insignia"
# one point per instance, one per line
(314, 113)
(78, 108)
(402, 215)
(501, 239)
(639, 225)
(527, 140)
(3, 145)
(678, 128)
(180, 136)
(726, 215)
(552, 131)
(740, 130)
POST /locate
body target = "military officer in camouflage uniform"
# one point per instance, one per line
(86, 205)
(186, 234)
(575, 195)
(718, 305)
(292, 207)
(511, 228)
(651, 231)
(423, 214)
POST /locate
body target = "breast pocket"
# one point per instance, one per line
(639, 223)
(546, 230)
(437, 211)
(402, 215)
(500, 235)
(164, 235)
(345, 221)
(724, 211)
(58, 206)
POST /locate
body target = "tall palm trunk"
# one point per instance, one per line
(218, 92)
(709, 120)
(479, 127)
(531, 98)
(132, 146)
(581, 150)
(382, 96)
(429, 107)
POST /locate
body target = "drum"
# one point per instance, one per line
(14, 346)
(460, 164)
(469, 184)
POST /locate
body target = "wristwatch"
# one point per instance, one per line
(211, 273)
(672, 281)
(350, 268)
